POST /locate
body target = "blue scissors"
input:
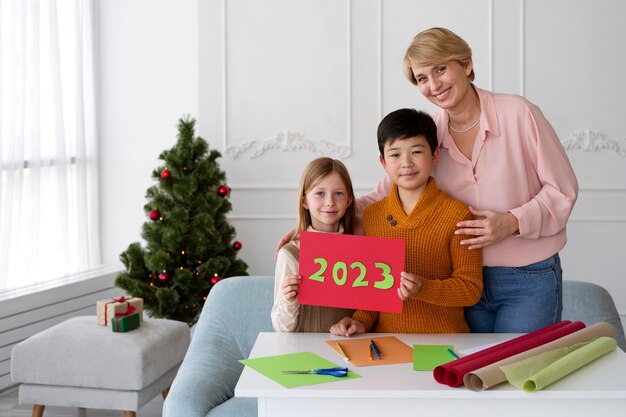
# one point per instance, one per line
(339, 371)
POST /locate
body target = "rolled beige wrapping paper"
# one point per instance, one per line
(489, 376)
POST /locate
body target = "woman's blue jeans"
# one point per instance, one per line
(520, 299)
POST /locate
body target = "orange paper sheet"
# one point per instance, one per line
(357, 350)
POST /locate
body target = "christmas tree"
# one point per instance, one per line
(189, 242)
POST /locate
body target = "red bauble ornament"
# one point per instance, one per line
(166, 174)
(163, 276)
(223, 190)
(215, 279)
(155, 215)
(237, 245)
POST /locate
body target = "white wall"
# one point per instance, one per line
(272, 83)
(148, 69)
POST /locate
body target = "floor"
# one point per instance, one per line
(10, 408)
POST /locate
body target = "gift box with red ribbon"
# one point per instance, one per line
(125, 322)
(108, 309)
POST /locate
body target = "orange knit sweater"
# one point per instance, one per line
(452, 274)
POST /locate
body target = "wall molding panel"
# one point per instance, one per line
(589, 140)
(286, 140)
(289, 142)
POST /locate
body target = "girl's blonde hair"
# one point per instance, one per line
(435, 46)
(316, 171)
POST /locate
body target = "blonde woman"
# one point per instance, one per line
(500, 156)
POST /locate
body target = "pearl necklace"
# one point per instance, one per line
(465, 130)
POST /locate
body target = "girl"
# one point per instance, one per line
(325, 204)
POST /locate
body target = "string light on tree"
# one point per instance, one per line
(215, 279)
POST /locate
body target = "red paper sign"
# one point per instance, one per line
(357, 272)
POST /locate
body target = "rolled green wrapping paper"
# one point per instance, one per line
(538, 372)
(452, 373)
(491, 375)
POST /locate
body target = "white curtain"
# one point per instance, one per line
(48, 149)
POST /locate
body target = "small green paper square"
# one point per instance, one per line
(428, 357)
(271, 367)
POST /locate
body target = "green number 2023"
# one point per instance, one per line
(340, 274)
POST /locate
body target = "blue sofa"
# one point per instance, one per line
(238, 308)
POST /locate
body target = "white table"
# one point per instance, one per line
(397, 390)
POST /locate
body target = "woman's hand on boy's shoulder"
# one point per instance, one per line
(347, 326)
(487, 227)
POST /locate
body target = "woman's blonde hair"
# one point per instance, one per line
(316, 171)
(435, 46)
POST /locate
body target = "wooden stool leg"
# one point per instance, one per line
(165, 392)
(129, 414)
(38, 410)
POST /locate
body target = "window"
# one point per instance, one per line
(48, 149)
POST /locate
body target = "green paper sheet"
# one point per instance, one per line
(537, 372)
(271, 367)
(428, 357)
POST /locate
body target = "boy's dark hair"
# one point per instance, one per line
(404, 124)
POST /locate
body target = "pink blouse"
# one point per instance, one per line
(518, 165)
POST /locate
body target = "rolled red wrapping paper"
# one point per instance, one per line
(440, 371)
(452, 373)
(491, 375)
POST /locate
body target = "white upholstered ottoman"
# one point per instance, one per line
(79, 363)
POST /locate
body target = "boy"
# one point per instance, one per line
(441, 276)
